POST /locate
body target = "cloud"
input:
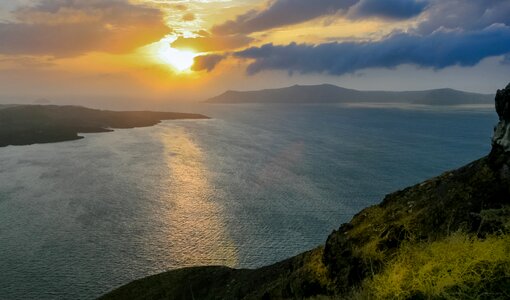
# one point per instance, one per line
(438, 50)
(288, 12)
(188, 17)
(210, 43)
(26, 62)
(433, 14)
(506, 59)
(181, 7)
(281, 13)
(207, 62)
(464, 14)
(388, 9)
(72, 27)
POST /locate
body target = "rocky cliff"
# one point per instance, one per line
(502, 131)
(445, 238)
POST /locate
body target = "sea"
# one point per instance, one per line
(251, 186)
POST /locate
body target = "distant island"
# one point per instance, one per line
(327, 93)
(34, 124)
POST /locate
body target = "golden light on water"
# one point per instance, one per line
(195, 220)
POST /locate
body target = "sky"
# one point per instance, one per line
(154, 51)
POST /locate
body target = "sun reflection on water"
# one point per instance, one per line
(196, 227)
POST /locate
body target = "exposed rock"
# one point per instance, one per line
(501, 137)
(503, 103)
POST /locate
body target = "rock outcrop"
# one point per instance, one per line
(502, 131)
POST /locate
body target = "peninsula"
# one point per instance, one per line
(34, 124)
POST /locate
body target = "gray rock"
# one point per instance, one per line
(501, 136)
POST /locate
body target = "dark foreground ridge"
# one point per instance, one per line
(445, 238)
(327, 93)
(33, 124)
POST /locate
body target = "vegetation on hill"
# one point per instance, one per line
(460, 266)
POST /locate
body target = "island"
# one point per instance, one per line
(35, 124)
(445, 238)
(327, 93)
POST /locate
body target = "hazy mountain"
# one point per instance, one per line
(327, 93)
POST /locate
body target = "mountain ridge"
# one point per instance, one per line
(329, 93)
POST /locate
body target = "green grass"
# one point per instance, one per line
(457, 267)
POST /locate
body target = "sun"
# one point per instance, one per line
(162, 53)
(181, 60)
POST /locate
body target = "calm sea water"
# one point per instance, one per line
(252, 186)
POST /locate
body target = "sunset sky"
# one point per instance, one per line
(165, 50)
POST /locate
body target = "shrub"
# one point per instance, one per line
(457, 267)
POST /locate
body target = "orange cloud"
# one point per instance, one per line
(188, 17)
(69, 28)
(207, 62)
(210, 43)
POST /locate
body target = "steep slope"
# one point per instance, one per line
(327, 93)
(448, 237)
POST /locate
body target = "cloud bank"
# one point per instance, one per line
(464, 14)
(388, 9)
(445, 33)
(72, 27)
(281, 13)
(288, 12)
(438, 50)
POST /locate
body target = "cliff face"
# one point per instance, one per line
(447, 237)
(502, 131)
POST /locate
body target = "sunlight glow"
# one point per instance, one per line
(180, 60)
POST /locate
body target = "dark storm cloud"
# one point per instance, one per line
(388, 9)
(281, 13)
(207, 62)
(73, 27)
(438, 50)
(464, 14)
(287, 12)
